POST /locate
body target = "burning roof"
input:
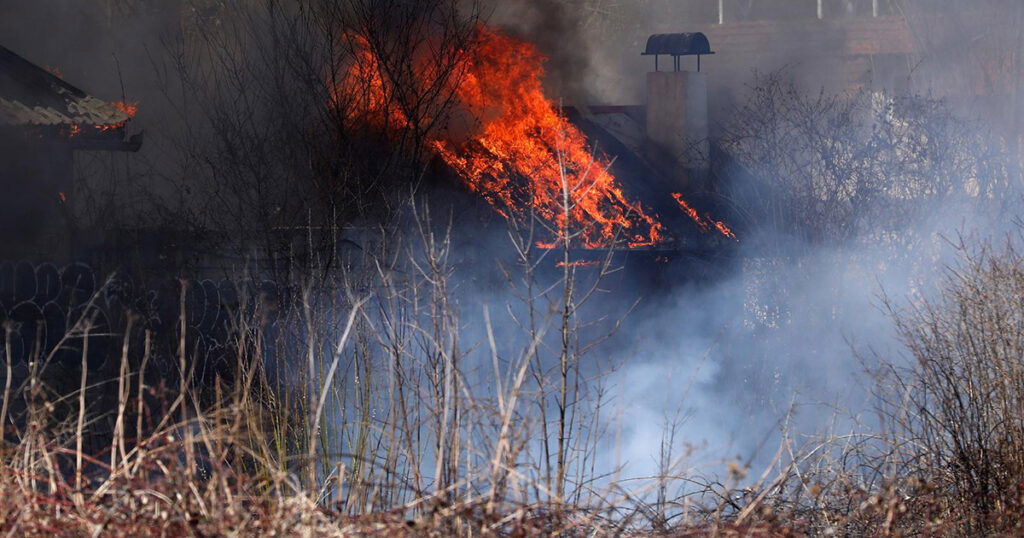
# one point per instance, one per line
(32, 96)
(520, 151)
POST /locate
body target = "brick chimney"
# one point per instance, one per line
(677, 109)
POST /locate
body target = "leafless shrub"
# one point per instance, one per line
(273, 147)
(349, 398)
(833, 168)
(959, 403)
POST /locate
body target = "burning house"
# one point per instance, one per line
(43, 122)
(628, 178)
(647, 177)
(664, 145)
(643, 179)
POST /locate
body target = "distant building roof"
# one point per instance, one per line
(851, 37)
(32, 96)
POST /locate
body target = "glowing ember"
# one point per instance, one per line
(705, 223)
(128, 108)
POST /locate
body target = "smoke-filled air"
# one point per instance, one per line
(511, 268)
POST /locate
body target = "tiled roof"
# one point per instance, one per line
(30, 95)
(856, 36)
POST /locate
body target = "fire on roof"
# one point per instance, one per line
(32, 97)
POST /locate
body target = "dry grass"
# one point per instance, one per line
(146, 452)
(344, 408)
(343, 405)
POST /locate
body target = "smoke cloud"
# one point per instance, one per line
(554, 27)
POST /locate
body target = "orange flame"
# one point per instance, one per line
(526, 154)
(361, 93)
(520, 153)
(705, 223)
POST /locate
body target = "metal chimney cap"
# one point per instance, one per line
(686, 44)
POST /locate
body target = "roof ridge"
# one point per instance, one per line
(31, 95)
